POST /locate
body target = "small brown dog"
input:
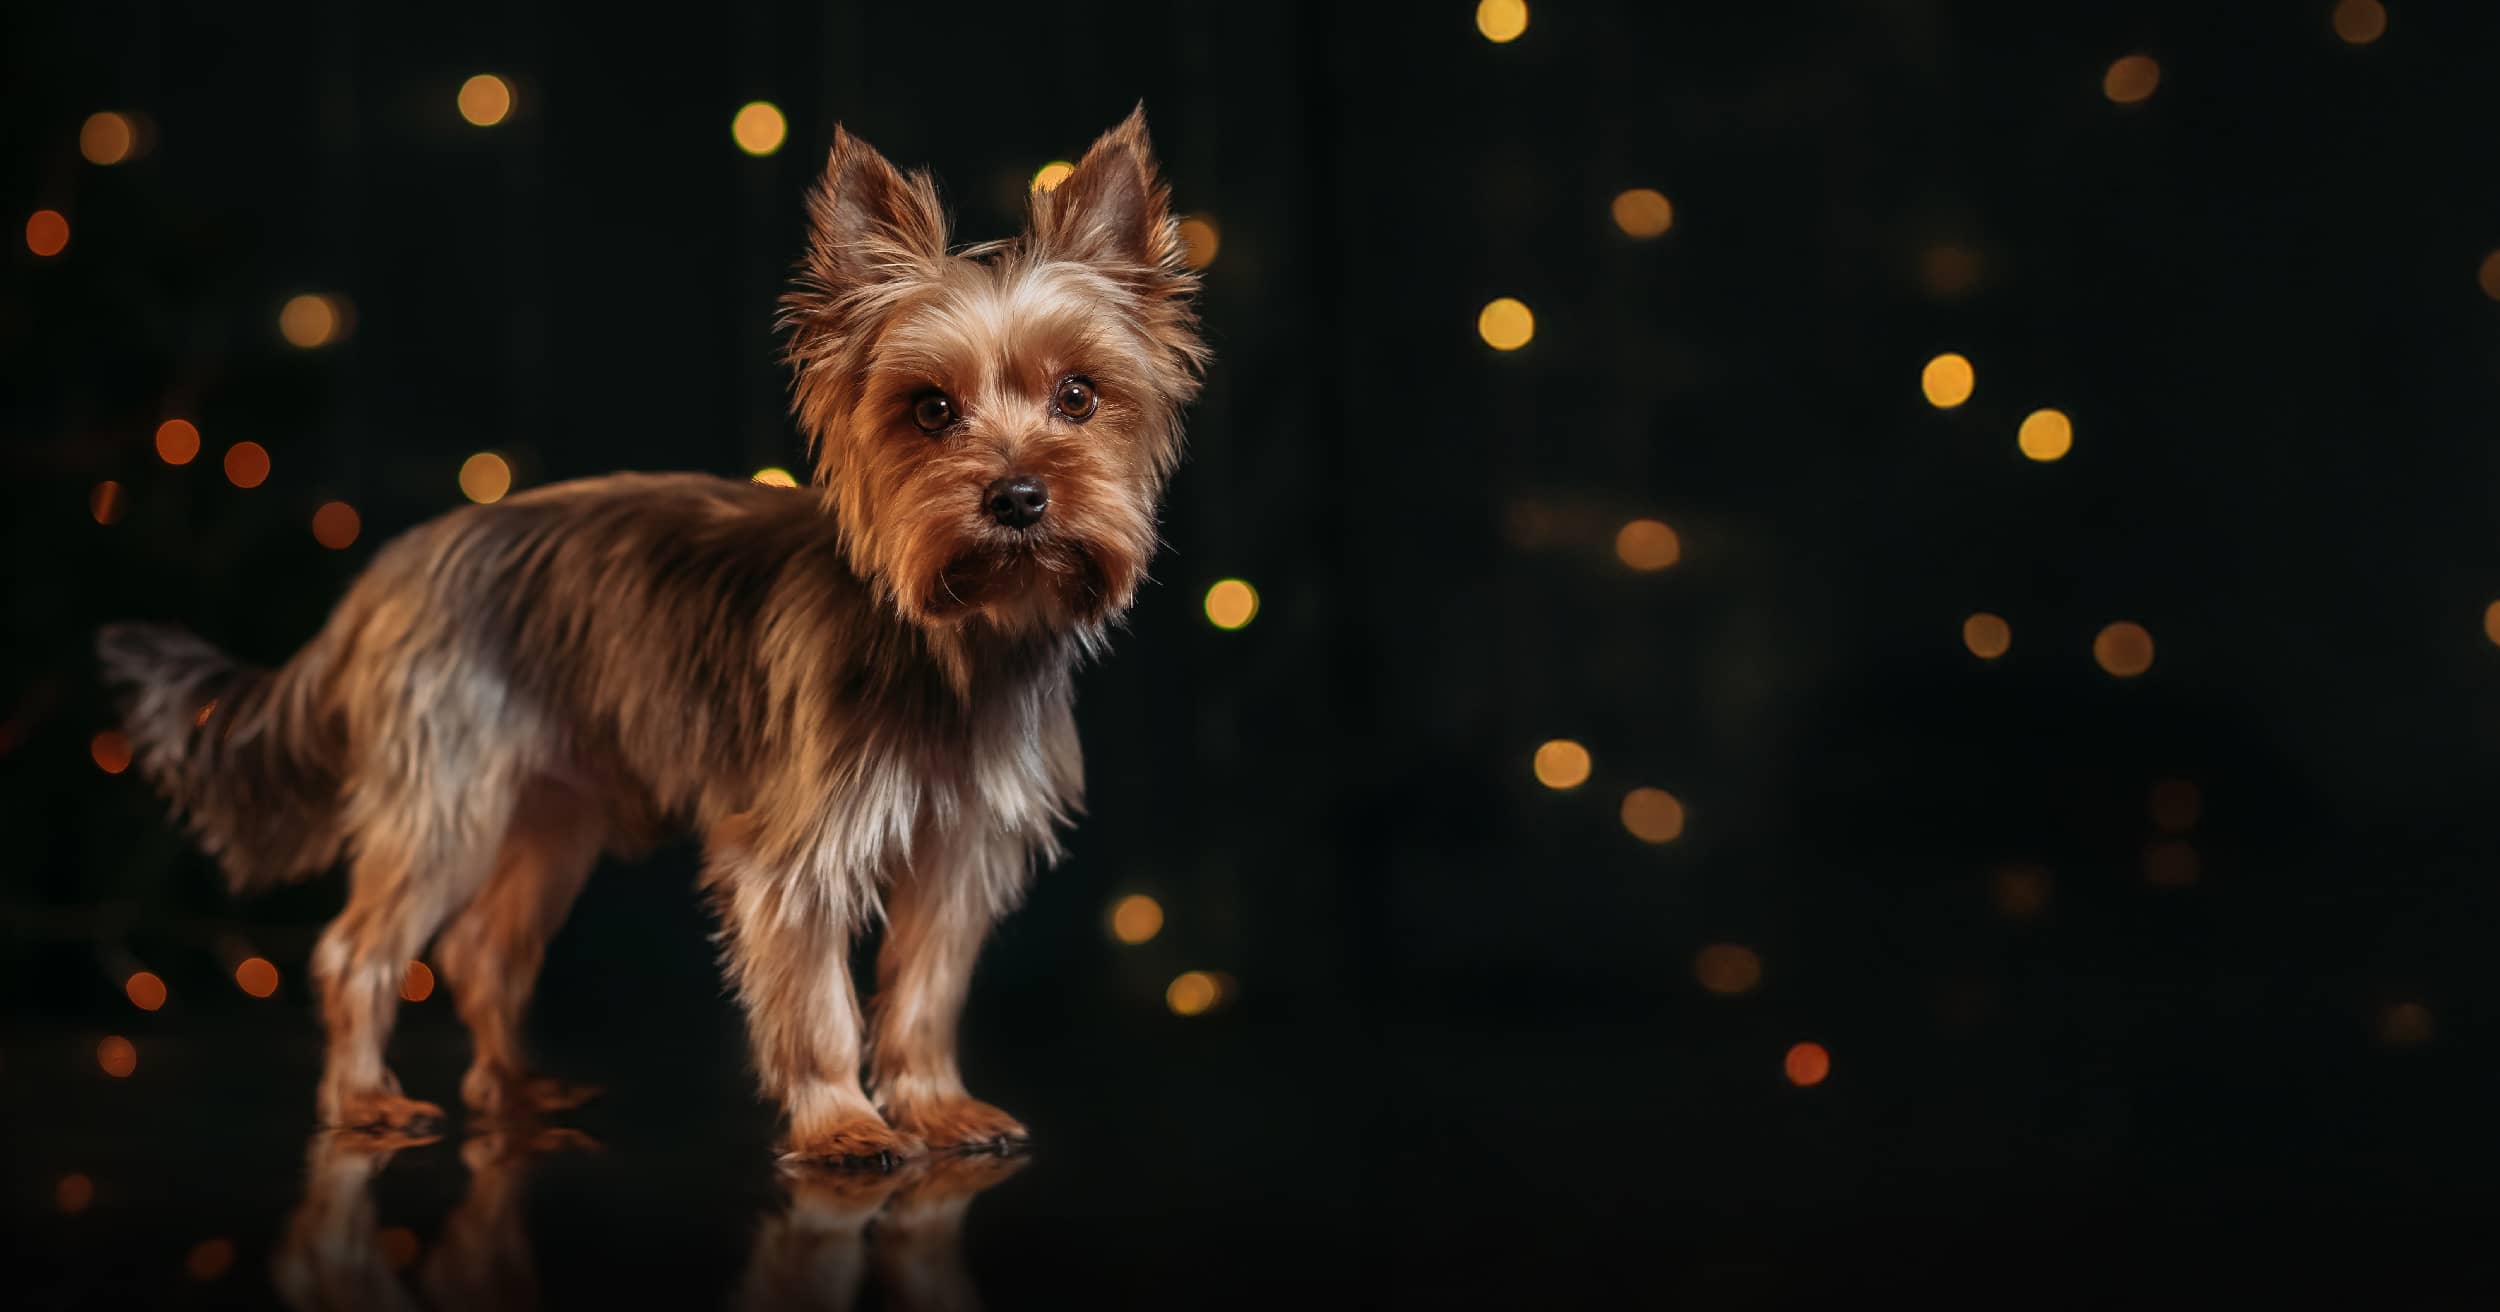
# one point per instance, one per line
(859, 699)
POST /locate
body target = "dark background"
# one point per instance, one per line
(1465, 1057)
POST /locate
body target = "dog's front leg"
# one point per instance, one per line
(789, 938)
(937, 913)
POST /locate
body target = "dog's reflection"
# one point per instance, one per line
(835, 1230)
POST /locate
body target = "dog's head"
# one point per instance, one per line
(993, 426)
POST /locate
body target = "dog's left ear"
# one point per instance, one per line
(1114, 212)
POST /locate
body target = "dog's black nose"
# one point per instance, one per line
(1018, 500)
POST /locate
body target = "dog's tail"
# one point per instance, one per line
(246, 756)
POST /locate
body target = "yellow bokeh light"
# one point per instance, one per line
(1643, 213)
(2360, 22)
(759, 128)
(1988, 636)
(110, 750)
(2171, 863)
(418, 983)
(485, 100)
(1501, 20)
(1648, 545)
(2488, 277)
(309, 321)
(117, 1056)
(1505, 324)
(1727, 969)
(145, 989)
(2046, 435)
(2021, 892)
(47, 233)
(1049, 176)
(1947, 380)
(209, 1259)
(1136, 918)
(2131, 79)
(1562, 763)
(247, 464)
(256, 976)
(485, 477)
(177, 441)
(1231, 603)
(1653, 815)
(776, 476)
(106, 138)
(74, 1192)
(1192, 993)
(2175, 805)
(2124, 649)
(1199, 241)
(336, 524)
(106, 503)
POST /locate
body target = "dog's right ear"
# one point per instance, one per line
(873, 234)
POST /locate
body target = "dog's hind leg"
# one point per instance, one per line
(492, 952)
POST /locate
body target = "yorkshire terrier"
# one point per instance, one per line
(858, 697)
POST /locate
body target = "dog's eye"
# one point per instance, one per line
(933, 411)
(1075, 398)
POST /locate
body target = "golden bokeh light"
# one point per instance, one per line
(1501, 20)
(147, 992)
(399, 1246)
(2491, 623)
(2020, 892)
(1136, 918)
(247, 464)
(1505, 324)
(107, 138)
(1562, 764)
(256, 976)
(1653, 815)
(1987, 636)
(47, 233)
(73, 1192)
(485, 100)
(309, 321)
(2405, 1025)
(759, 129)
(1049, 176)
(1191, 993)
(111, 750)
(2175, 805)
(776, 476)
(1727, 969)
(208, 1259)
(1231, 603)
(2171, 863)
(2131, 79)
(1643, 212)
(106, 503)
(2360, 22)
(1200, 240)
(117, 1056)
(485, 477)
(418, 984)
(2124, 649)
(1648, 545)
(336, 524)
(2488, 277)
(177, 441)
(1807, 1065)
(1947, 380)
(2046, 435)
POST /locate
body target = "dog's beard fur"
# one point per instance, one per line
(883, 313)
(861, 700)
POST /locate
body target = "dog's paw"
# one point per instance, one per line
(852, 1142)
(960, 1124)
(386, 1114)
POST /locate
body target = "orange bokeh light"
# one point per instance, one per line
(247, 464)
(418, 984)
(47, 233)
(177, 441)
(209, 1259)
(256, 976)
(118, 1056)
(111, 750)
(2124, 649)
(1807, 1065)
(335, 525)
(147, 992)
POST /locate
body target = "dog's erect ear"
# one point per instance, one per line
(1114, 212)
(868, 223)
